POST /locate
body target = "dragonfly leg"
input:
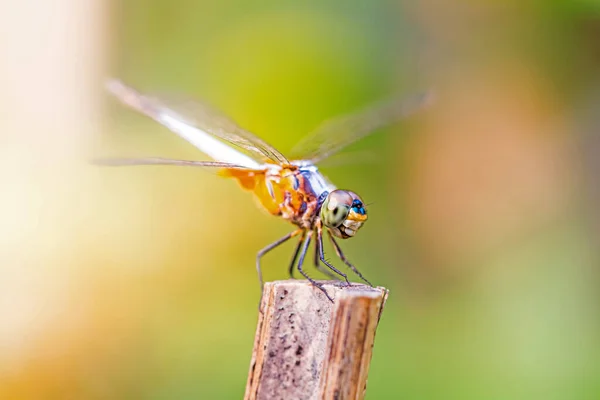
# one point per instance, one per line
(271, 247)
(320, 268)
(342, 257)
(295, 256)
(301, 261)
(322, 255)
(316, 259)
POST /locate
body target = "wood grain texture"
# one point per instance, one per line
(308, 348)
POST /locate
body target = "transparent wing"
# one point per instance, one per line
(176, 113)
(339, 132)
(119, 162)
(349, 158)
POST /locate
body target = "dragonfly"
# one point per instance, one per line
(291, 188)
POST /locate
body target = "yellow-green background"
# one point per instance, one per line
(483, 222)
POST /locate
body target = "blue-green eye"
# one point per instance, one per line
(335, 208)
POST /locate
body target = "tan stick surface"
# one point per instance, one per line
(308, 348)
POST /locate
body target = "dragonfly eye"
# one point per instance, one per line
(343, 213)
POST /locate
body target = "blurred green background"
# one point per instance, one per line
(484, 221)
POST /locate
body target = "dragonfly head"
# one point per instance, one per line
(343, 212)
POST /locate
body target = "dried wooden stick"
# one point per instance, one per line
(308, 348)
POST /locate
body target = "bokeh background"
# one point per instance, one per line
(139, 283)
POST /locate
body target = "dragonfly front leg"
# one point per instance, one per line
(316, 260)
(301, 261)
(342, 257)
(322, 254)
(320, 268)
(271, 247)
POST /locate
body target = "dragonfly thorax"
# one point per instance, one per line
(305, 197)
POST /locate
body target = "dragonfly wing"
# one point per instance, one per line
(347, 158)
(339, 132)
(119, 162)
(199, 124)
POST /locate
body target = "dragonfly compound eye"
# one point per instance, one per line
(343, 213)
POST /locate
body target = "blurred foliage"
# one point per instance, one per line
(481, 224)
